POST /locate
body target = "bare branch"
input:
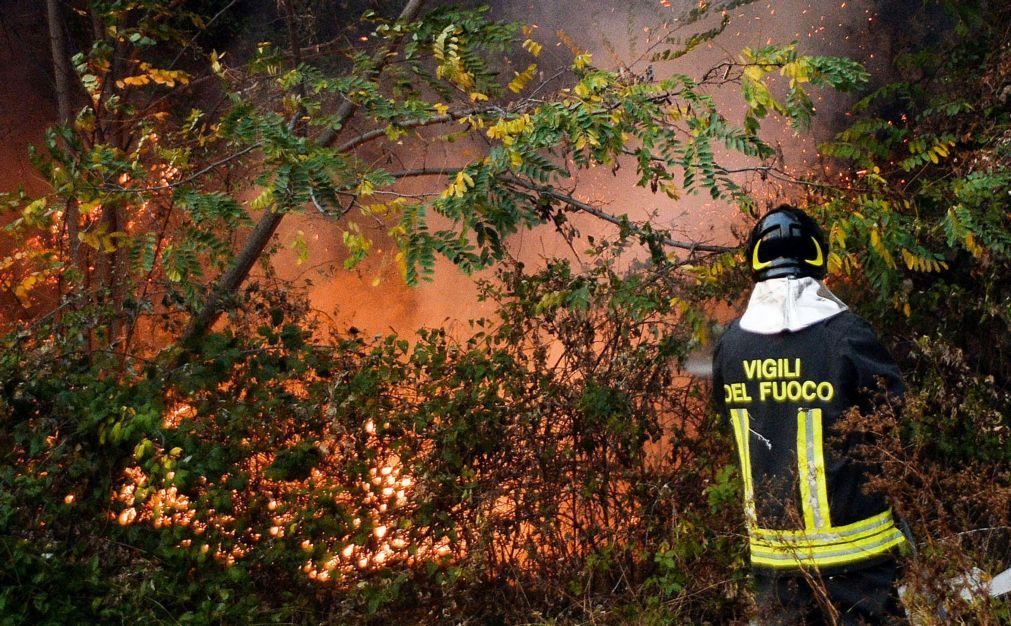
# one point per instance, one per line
(427, 171)
(380, 59)
(61, 71)
(414, 123)
(548, 192)
(202, 30)
(579, 205)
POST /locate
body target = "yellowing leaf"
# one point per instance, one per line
(441, 108)
(834, 263)
(521, 80)
(134, 81)
(300, 247)
(401, 260)
(680, 305)
(365, 188)
(357, 244)
(459, 186)
(878, 246)
(472, 121)
(532, 47)
(508, 130)
(169, 78)
(24, 287)
(393, 133)
(670, 190)
(582, 60)
(550, 300)
(101, 240)
(216, 63)
(754, 73)
(798, 72)
(262, 201)
(109, 241)
(908, 257)
(35, 214)
(442, 41)
(972, 246)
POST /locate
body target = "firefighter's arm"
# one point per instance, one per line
(873, 367)
(719, 402)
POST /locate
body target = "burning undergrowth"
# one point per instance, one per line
(550, 460)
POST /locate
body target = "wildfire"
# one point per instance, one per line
(383, 497)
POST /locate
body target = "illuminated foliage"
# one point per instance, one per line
(922, 220)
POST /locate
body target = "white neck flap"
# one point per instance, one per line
(789, 304)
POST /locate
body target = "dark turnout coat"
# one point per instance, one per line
(781, 394)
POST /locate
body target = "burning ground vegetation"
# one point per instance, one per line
(543, 462)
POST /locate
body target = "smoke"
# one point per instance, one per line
(622, 37)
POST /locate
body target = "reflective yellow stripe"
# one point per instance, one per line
(811, 463)
(815, 548)
(789, 554)
(850, 552)
(740, 420)
(856, 530)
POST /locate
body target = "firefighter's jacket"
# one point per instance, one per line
(783, 374)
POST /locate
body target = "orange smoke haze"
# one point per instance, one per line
(619, 35)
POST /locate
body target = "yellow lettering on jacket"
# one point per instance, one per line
(795, 391)
(779, 381)
(771, 369)
(736, 393)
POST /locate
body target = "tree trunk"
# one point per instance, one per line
(61, 69)
(61, 73)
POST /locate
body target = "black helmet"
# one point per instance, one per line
(787, 242)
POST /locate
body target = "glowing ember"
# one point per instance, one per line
(179, 412)
(127, 516)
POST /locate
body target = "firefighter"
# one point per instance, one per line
(823, 549)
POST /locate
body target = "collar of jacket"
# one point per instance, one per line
(789, 304)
